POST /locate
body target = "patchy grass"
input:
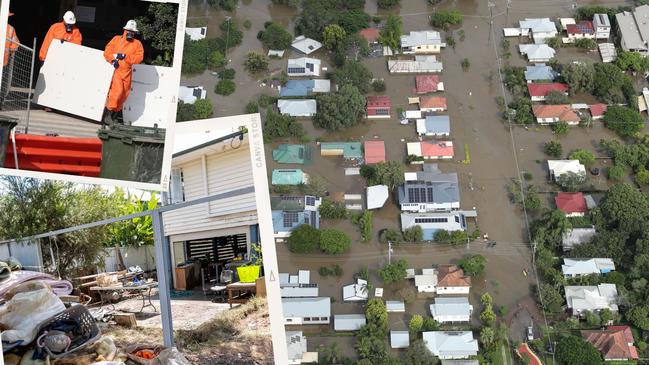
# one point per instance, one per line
(240, 335)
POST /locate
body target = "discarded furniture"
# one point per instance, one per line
(142, 291)
(239, 293)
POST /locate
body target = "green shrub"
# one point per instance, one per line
(332, 210)
(334, 242)
(389, 234)
(304, 239)
(227, 74)
(225, 87)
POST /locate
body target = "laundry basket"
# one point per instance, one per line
(81, 327)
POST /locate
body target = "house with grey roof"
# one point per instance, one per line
(426, 282)
(395, 306)
(537, 52)
(422, 42)
(434, 125)
(297, 349)
(633, 30)
(305, 45)
(539, 72)
(540, 29)
(349, 322)
(421, 64)
(577, 236)
(573, 268)
(432, 222)
(302, 311)
(355, 292)
(602, 26)
(451, 344)
(399, 339)
(451, 310)
(581, 299)
(303, 66)
(303, 108)
(297, 286)
(429, 190)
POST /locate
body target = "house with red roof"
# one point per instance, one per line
(451, 280)
(615, 343)
(572, 204)
(432, 104)
(374, 151)
(370, 34)
(583, 29)
(538, 91)
(597, 111)
(437, 150)
(428, 84)
(550, 114)
(378, 106)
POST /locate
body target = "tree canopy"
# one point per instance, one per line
(274, 36)
(317, 14)
(354, 73)
(473, 264)
(624, 121)
(340, 110)
(573, 350)
(384, 173)
(333, 241)
(304, 239)
(390, 35)
(277, 125)
(394, 272)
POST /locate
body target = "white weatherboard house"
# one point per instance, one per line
(297, 107)
(303, 66)
(297, 286)
(298, 311)
(421, 64)
(540, 29)
(349, 322)
(306, 45)
(430, 223)
(591, 298)
(537, 52)
(399, 339)
(196, 34)
(573, 268)
(189, 94)
(218, 230)
(355, 292)
(451, 310)
(297, 349)
(451, 344)
(422, 42)
(560, 167)
(602, 26)
(451, 280)
(426, 283)
(577, 236)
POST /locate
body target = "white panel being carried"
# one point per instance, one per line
(74, 79)
(152, 91)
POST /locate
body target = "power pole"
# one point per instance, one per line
(509, 3)
(227, 39)
(491, 5)
(389, 252)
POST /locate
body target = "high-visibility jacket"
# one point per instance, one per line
(11, 43)
(57, 31)
(121, 84)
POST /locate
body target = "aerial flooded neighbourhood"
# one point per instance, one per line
(462, 182)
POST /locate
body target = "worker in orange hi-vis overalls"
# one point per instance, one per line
(123, 51)
(11, 45)
(64, 31)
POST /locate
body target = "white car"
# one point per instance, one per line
(530, 333)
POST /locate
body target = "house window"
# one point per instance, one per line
(324, 318)
(177, 188)
(382, 111)
(289, 319)
(307, 319)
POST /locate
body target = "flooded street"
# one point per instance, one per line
(496, 155)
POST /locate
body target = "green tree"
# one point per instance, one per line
(353, 73)
(216, 60)
(333, 241)
(184, 112)
(225, 87)
(632, 61)
(378, 86)
(554, 42)
(277, 125)
(377, 314)
(339, 110)
(31, 206)
(624, 121)
(553, 149)
(444, 18)
(195, 56)
(390, 35)
(419, 354)
(384, 173)
(580, 77)
(386, 4)
(396, 271)
(304, 239)
(572, 181)
(332, 210)
(522, 111)
(560, 128)
(514, 78)
(555, 97)
(251, 107)
(136, 232)
(203, 109)
(255, 62)
(289, 3)
(274, 36)
(593, 319)
(227, 74)
(373, 349)
(317, 14)
(585, 157)
(416, 323)
(473, 265)
(334, 36)
(572, 350)
(551, 299)
(488, 317)
(389, 234)
(430, 324)
(228, 5)
(413, 234)
(486, 299)
(488, 337)
(585, 44)
(639, 316)
(612, 86)
(158, 28)
(465, 63)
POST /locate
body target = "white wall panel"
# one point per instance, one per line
(152, 90)
(74, 79)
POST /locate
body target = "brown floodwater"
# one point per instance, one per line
(475, 123)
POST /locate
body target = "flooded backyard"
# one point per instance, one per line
(497, 153)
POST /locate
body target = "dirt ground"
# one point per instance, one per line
(496, 154)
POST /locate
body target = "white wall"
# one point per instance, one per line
(453, 290)
(141, 256)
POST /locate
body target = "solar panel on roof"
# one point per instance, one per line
(430, 194)
(422, 194)
(413, 193)
(296, 70)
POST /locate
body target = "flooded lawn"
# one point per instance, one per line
(496, 155)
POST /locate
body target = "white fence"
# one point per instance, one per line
(141, 256)
(28, 253)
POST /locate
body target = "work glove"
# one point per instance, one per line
(115, 64)
(121, 56)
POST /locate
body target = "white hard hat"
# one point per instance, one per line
(131, 25)
(69, 18)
